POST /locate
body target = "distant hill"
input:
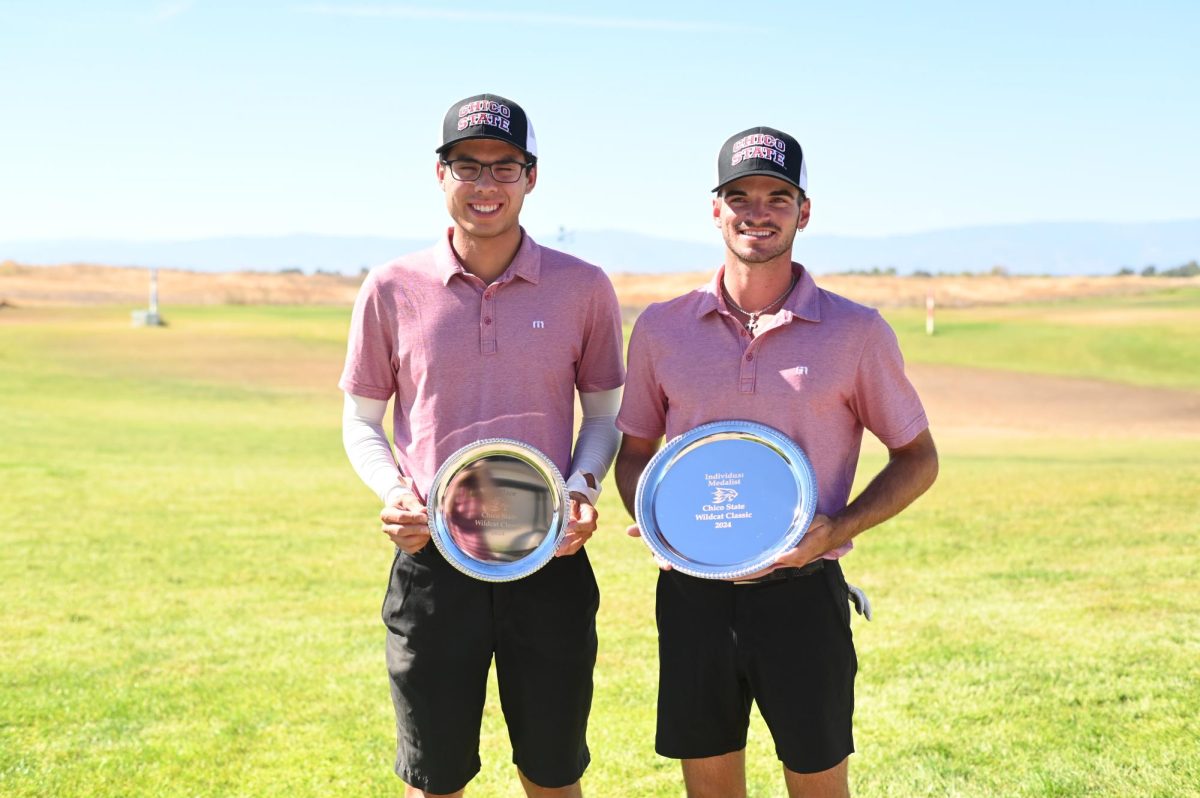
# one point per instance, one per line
(1053, 248)
(1060, 248)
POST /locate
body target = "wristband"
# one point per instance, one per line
(578, 484)
(405, 490)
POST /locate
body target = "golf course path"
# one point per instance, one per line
(989, 401)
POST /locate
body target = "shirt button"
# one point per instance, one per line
(487, 319)
(749, 357)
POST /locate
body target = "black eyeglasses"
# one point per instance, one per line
(468, 171)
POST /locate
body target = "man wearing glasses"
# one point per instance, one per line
(485, 335)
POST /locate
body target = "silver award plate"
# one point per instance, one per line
(498, 509)
(726, 499)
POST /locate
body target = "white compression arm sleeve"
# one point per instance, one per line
(370, 452)
(598, 440)
(367, 445)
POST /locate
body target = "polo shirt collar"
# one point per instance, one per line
(526, 264)
(802, 303)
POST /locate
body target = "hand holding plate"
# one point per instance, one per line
(580, 526)
(406, 521)
(820, 538)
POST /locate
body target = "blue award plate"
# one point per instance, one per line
(498, 509)
(726, 499)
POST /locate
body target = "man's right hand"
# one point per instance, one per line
(405, 521)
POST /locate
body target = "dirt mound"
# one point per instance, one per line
(85, 284)
(883, 291)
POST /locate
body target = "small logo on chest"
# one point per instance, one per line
(539, 325)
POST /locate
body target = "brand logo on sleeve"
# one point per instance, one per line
(539, 325)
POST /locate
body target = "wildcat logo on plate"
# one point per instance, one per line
(722, 495)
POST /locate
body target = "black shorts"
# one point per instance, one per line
(785, 644)
(443, 629)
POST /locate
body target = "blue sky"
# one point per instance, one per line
(162, 120)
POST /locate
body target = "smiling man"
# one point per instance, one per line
(761, 342)
(486, 335)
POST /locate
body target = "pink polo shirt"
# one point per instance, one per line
(468, 361)
(821, 372)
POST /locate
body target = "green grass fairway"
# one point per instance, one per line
(191, 574)
(1148, 339)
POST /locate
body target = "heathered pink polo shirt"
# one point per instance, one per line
(825, 369)
(468, 361)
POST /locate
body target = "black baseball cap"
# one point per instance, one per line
(488, 116)
(762, 151)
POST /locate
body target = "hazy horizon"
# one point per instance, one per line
(192, 119)
(1074, 248)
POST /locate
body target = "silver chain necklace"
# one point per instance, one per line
(752, 321)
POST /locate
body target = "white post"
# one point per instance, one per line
(149, 317)
(929, 314)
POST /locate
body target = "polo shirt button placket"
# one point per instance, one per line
(487, 330)
(746, 377)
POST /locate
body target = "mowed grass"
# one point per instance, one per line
(191, 575)
(1149, 339)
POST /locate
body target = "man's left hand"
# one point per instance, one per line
(821, 537)
(816, 541)
(580, 527)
